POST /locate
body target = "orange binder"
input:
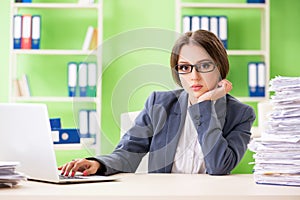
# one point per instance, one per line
(26, 32)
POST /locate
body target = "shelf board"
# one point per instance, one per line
(246, 52)
(75, 146)
(55, 5)
(55, 99)
(224, 5)
(251, 99)
(54, 52)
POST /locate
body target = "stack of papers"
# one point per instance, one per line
(277, 151)
(8, 176)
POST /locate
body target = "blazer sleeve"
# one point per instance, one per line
(223, 148)
(133, 146)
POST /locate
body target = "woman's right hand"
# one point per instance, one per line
(87, 167)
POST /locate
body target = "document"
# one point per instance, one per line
(277, 158)
(8, 176)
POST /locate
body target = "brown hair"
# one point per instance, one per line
(209, 42)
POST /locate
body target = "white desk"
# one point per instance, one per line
(154, 186)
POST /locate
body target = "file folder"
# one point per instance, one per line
(93, 125)
(214, 26)
(186, 24)
(261, 72)
(195, 23)
(17, 31)
(92, 79)
(204, 23)
(252, 79)
(83, 124)
(82, 79)
(223, 30)
(26, 32)
(72, 78)
(36, 31)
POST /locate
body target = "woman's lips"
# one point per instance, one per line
(196, 88)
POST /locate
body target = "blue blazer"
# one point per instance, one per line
(223, 130)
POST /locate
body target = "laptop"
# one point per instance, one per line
(25, 137)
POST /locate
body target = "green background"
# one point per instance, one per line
(65, 29)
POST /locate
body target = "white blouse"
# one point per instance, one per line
(189, 158)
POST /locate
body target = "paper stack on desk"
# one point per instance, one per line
(277, 151)
(8, 176)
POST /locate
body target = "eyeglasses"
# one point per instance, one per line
(202, 67)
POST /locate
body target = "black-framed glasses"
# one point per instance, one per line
(202, 67)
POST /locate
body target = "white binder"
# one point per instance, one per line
(82, 79)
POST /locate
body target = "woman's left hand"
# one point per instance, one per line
(223, 88)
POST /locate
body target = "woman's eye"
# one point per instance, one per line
(205, 65)
(184, 68)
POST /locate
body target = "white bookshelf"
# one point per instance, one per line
(56, 5)
(263, 52)
(54, 52)
(14, 53)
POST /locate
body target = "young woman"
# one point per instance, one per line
(197, 129)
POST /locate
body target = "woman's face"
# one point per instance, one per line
(197, 83)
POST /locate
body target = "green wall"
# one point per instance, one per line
(131, 74)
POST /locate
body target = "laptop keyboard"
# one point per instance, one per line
(70, 177)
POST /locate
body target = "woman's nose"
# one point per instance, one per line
(195, 75)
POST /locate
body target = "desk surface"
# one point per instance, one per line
(155, 186)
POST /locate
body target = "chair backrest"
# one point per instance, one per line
(127, 121)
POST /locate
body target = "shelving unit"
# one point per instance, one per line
(263, 52)
(97, 7)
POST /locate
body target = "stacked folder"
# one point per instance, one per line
(82, 79)
(8, 175)
(27, 31)
(277, 158)
(215, 24)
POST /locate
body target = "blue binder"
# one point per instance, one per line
(72, 78)
(186, 23)
(204, 22)
(67, 136)
(255, 1)
(26, 1)
(223, 30)
(55, 124)
(261, 81)
(82, 78)
(93, 124)
(36, 31)
(17, 31)
(84, 124)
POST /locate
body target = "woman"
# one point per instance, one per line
(197, 129)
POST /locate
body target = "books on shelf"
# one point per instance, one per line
(26, 31)
(90, 40)
(215, 24)
(277, 159)
(21, 86)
